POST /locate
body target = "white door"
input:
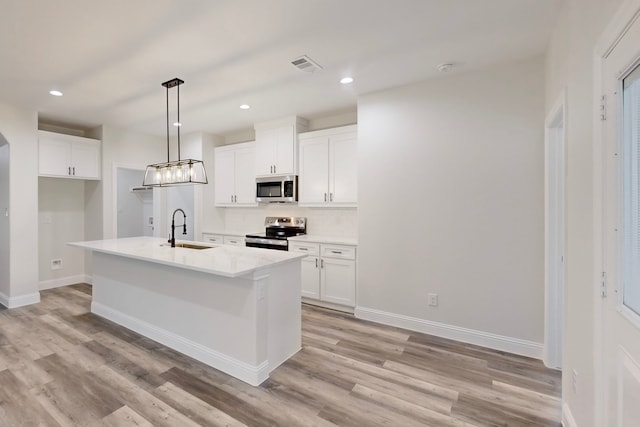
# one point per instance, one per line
(314, 171)
(343, 172)
(265, 141)
(224, 180)
(311, 277)
(338, 281)
(245, 181)
(54, 157)
(621, 237)
(85, 159)
(284, 151)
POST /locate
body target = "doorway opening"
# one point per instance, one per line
(134, 204)
(554, 234)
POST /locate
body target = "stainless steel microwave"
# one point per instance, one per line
(277, 189)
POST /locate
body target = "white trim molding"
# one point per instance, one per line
(471, 336)
(252, 374)
(63, 281)
(567, 417)
(19, 301)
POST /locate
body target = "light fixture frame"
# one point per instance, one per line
(177, 172)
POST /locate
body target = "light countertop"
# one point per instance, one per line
(310, 238)
(222, 260)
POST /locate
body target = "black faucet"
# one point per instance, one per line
(172, 240)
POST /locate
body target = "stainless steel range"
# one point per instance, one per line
(277, 231)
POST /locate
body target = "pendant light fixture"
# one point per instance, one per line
(177, 172)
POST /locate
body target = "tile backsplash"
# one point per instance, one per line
(333, 222)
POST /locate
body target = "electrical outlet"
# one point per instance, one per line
(261, 291)
(433, 300)
(56, 264)
(574, 380)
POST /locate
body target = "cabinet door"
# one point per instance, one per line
(212, 238)
(338, 281)
(233, 240)
(310, 277)
(314, 172)
(284, 155)
(265, 141)
(54, 157)
(224, 177)
(343, 171)
(245, 181)
(85, 160)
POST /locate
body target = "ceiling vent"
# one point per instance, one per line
(306, 64)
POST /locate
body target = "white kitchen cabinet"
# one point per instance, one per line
(276, 148)
(223, 239)
(68, 156)
(233, 240)
(328, 272)
(328, 168)
(213, 238)
(234, 176)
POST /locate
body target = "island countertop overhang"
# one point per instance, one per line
(222, 260)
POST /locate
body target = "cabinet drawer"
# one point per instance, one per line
(338, 251)
(213, 238)
(305, 248)
(233, 240)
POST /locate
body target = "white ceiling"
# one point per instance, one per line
(110, 57)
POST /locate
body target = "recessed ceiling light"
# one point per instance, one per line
(245, 106)
(55, 92)
(346, 80)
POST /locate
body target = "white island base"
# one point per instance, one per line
(245, 326)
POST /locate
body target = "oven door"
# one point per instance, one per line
(261, 242)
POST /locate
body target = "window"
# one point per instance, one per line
(631, 191)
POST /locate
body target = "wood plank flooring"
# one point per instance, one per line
(60, 365)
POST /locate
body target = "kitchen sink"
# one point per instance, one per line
(189, 246)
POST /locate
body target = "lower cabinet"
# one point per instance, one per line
(222, 239)
(213, 238)
(328, 272)
(233, 240)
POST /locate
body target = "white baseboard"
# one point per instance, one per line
(63, 281)
(471, 336)
(251, 374)
(567, 417)
(19, 301)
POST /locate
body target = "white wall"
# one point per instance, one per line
(19, 128)
(451, 201)
(61, 220)
(569, 64)
(4, 220)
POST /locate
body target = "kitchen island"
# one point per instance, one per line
(236, 309)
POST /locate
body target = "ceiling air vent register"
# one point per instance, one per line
(306, 64)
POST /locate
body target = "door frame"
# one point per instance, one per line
(158, 200)
(555, 226)
(625, 17)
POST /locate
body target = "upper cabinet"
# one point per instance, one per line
(68, 156)
(276, 150)
(234, 179)
(328, 168)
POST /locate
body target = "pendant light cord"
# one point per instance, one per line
(168, 154)
(179, 123)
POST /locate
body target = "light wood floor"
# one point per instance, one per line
(60, 365)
